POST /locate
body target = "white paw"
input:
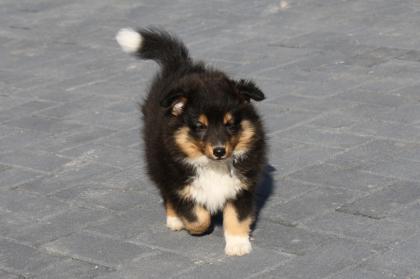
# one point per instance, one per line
(237, 245)
(174, 223)
(129, 40)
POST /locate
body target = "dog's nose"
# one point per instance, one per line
(219, 152)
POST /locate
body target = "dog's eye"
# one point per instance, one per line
(199, 126)
(230, 126)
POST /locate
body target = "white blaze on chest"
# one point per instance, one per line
(213, 185)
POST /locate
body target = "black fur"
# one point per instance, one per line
(206, 91)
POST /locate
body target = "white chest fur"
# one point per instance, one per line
(214, 184)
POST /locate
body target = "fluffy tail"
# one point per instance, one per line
(154, 44)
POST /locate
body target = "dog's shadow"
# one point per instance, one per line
(263, 192)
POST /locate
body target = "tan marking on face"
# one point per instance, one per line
(231, 223)
(208, 150)
(202, 223)
(203, 120)
(228, 118)
(186, 143)
(229, 146)
(245, 138)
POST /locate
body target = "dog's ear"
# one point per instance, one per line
(176, 99)
(249, 90)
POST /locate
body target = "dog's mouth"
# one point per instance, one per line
(218, 158)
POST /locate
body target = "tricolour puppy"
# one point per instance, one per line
(204, 141)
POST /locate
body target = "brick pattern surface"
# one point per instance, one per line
(340, 198)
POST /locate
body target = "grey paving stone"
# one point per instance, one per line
(111, 155)
(274, 89)
(57, 143)
(126, 85)
(316, 61)
(79, 106)
(73, 173)
(389, 130)
(408, 213)
(9, 101)
(379, 204)
(7, 275)
(278, 119)
(130, 138)
(411, 55)
(8, 131)
(151, 266)
(374, 98)
(375, 151)
(43, 124)
(4, 168)
(385, 86)
(402, 257)
(309, 205)
(26, 108)
(407, 114)
(411, 154)
(133, 178)
(124, 107)
(399, 69)
(43, 161)
(364, 111)
(208, 248)
(288, 157)
(400, 168)
(286, 189)
(290, 101)
(334, 139)
(72, 268)
(318, 40)
(288, 239)
(376, 56)
(30, 205)
(21, 138)
(100, 195)
(365, 273)
(236, 267)
(58, 93)
(324, 89)
(13, 176)
(12, 222)
(59, 225)
(378, 231)
(334, 120)
(323, 262)
(146, 216)
(408, 91)
(352, 178)
(23, 259)
(95, 249)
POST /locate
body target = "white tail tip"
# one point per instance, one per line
(129, 40)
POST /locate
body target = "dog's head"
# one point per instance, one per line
(212, 116)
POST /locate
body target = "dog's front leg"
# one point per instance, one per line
(237, 220)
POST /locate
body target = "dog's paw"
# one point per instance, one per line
(174, 223)
(129, 40)
(237, 245)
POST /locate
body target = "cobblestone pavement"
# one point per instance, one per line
(340, 199)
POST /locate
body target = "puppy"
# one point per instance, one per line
(204, 141)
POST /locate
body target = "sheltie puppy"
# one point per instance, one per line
(204, 141)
